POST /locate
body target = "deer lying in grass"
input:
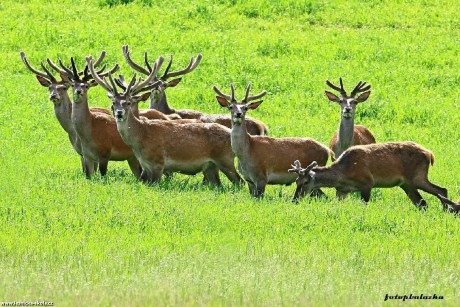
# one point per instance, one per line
(61, 100)
(364, 167)
(349, 134)
(262, 159)
(159, 101)
(169, 146)
(98, 133)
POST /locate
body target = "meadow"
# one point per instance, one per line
(115, 241)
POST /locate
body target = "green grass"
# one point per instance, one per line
(115, 241)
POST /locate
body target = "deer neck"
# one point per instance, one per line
(81, 118)
(161, 105)
(63, 113)
(346, 130)
(130, 130)
(240, 140)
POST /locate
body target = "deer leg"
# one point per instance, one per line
(433, 189)
(83, 166)
(317, 193)
(260, 189)
(211, 175)
(135, 167)
(228, 168)
(151, 175)
(414, 196)
(102, 167)
(88, 168)
(365, 194)
(340, 194)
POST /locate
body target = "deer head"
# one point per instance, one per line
(348, 103)
(159, 91)
(81, 81)
(305, 180)
(123, 100)
(47, 79)
(238, 109)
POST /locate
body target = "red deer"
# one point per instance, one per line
(263, 160)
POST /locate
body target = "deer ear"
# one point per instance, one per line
(43, 81)
(145, 96)
(254, 105)
(363, 97)
(174, 82)
(92, 83)
(332, 97)
(222, 101)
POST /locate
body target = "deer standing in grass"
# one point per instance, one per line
(159, 101)
(61, 100)
(97, 132)
(262, 159)
(349, 134)
(169, 146)
(364, 167)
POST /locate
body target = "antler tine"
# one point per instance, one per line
(50, 76)
(131, 63)
(246, 95)
(101, 57)
(114, 85)
(144, 85)
(112, 71)
(99, 80)
(167, 68)
(260, 95)
(233, 99)
(131, 84)
(190, 67)
(311, 166)
(340, 89)
(296, 167)
(146, 61)
(74, 69)
(219, 92)
(35, 71)
(360, 87)
(68, 72)
(55, 67)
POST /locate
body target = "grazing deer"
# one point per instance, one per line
(349, 134)
(100, 140)
(159, 101)
(61, 100)
(262, 159)
(169, 146)
(364, 167)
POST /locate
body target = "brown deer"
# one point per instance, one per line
(262, 159)
(364, 167)
(349, 134)
(98, 133)
(169, 146)
(159, 101)
(61, 100)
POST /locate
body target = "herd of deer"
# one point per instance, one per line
(161, 140)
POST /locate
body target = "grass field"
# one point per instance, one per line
(114, 241)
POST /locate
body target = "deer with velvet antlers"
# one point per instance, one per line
(61, 100)
(168, 146)
(159, 101)
(262, 159)
(100, 140)
(349, 134)
(364, 167)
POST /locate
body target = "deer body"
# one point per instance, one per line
(364, 167)
(260, 158)
(349, 134)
